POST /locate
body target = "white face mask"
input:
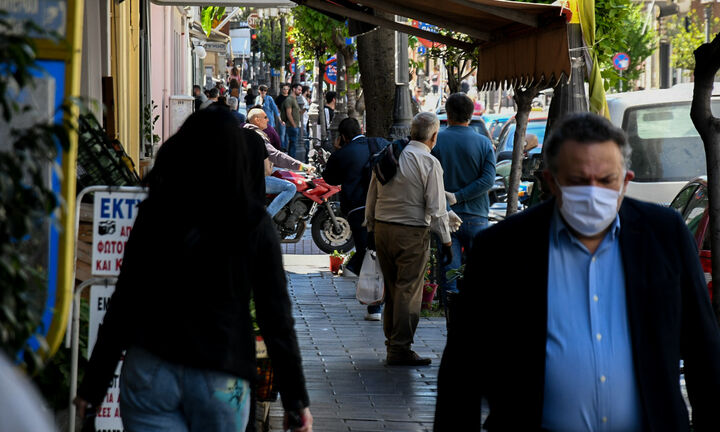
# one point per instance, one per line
(589, 209)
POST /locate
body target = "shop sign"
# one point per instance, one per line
(219, 47)
(113, 218)
(108, 414)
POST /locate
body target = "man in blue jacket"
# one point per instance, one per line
(468, 163)
(349, 166)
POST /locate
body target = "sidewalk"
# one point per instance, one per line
(350, 387)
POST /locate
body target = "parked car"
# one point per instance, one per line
(494, 123)
(476, 122)
(667, 150)
(692, 204)
(506, 140)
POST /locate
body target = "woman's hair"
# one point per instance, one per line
(208, 174)
(234, 71)
(234, 83)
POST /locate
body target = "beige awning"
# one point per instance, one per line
(517, 43)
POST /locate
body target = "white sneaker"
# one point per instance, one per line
(347, 273)
(373, 316)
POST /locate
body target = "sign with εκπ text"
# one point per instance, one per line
(114, 215)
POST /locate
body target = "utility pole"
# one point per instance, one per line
(282, 49)
(402, 110)
(340, 101)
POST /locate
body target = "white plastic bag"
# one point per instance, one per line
(370, 285)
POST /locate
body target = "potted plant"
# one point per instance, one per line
(336, 261)
(430, 286)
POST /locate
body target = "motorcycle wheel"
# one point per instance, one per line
(325, 237)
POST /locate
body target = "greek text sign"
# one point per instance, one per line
(108, 414)
(114, 215)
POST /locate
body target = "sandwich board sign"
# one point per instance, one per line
(114, 214)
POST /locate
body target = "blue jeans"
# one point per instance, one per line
(285, 192)
(156, 395)
(292, 138)
(283, 136)
(461, 239)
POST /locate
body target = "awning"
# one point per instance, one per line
(518, 44)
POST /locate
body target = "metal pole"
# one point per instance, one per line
(402, 111)
(282, 49)
(708, 13)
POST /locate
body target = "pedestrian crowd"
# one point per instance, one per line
(573, 315)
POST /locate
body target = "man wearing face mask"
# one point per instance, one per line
(588, 334)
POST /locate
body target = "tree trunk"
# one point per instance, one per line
(376, 57)
(707, 63)
(523, 98)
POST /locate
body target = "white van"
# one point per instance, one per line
(667, 151)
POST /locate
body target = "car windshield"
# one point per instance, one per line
(477, 125)
(534, 127)
(665, 144)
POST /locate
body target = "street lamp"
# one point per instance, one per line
(708, 17)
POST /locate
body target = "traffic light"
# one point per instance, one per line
(254, 41)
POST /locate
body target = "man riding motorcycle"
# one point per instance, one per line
(258, 121)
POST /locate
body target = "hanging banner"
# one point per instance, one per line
(113, 218)
(427, 27)
(108, 414)
(331, 71)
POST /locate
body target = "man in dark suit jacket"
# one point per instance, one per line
(574, 316)
(349, 167)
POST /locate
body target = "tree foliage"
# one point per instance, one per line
(620, 29)
(208, 14)
(686, 34)
(269, 42)
(26, 202)
(459, 62)
(312, 33)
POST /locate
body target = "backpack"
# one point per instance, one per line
(375, 145)
(384, 163)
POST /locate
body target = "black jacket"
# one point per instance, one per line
(349, 167)
(496, 347)
(194, 257)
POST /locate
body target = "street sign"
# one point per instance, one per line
(253, 20)
(108, 414)
(113, 218)
(621, 61)
(422, 50)
(331, 70)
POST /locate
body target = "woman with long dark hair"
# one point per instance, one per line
(201, 246)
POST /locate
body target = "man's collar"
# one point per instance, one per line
(359, 136)
(558, 225)
(420, 145)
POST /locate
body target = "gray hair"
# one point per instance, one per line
(254, 113)
(424, 125)
(584, 128)
(232, 102)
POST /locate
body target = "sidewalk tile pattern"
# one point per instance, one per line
(350, 387)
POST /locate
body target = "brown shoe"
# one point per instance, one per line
(407, 359)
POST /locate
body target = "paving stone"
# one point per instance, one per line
(350, 386)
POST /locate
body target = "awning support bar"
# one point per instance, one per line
(379, 21)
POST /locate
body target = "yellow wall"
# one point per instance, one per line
(125, 61)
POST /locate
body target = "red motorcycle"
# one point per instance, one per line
(313, 202)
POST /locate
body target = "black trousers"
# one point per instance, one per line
(360, 234)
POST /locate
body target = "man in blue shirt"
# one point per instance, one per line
(583, 307)
(468, 163)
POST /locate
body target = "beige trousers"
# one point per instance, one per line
(403, 253)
